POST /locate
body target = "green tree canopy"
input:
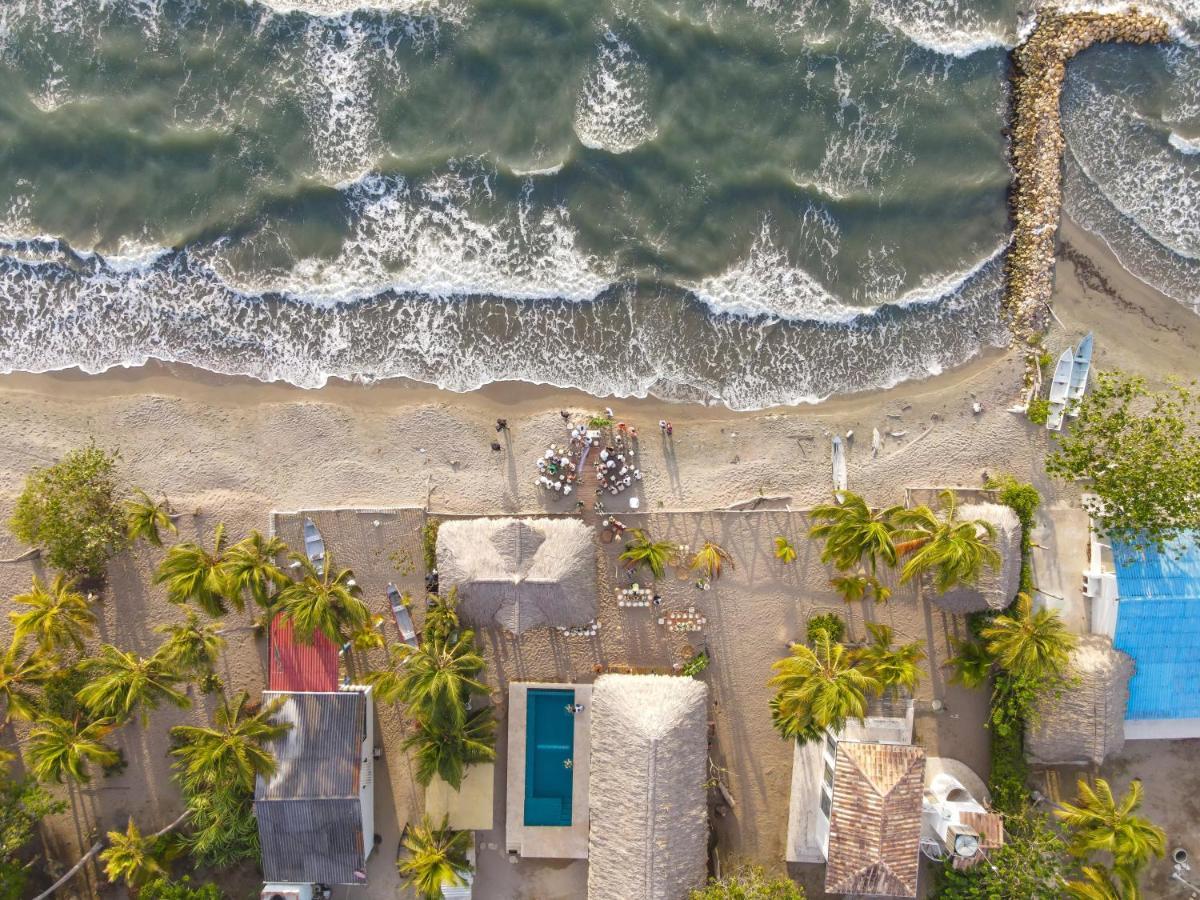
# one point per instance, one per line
(818, 687)
(145, 517)
(58, 748)
(193, 573)
(1099, 823)
(1029, 644)
(121, 683)
(1032, 865)
(58, 616)
(953, 550)
(643, 550)
(329, 601)
(1139, 449)
(72, 510)
(437, 857)
(749, 883)
(20, 673)
(852, 532)
(233, 751)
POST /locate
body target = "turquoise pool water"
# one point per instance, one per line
(549, 747)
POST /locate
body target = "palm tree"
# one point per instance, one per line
(434, 679)
(891, 667)
(251, 568)
(20, 672)
(971, 663)
(1024, 642)
(57, 618)
(144, 516)
(818, 688)
(853, 588)
(233, 751)
(133, 858)
(1098, 823)
(645, 551)
(441, 618)
(853, 532)
(437, 857)
(329, 601)
(784, 551)
(123, 683)
(954, 551)
(1098, 884)
(710, 559)
(191, 572)
(446, 749)
(191, 646)
(57, 747)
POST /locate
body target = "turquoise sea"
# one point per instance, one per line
(753, 201)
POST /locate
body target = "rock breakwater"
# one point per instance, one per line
(1037, 143)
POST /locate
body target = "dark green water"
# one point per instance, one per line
(757, 201)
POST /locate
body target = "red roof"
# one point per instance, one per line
(296, 666)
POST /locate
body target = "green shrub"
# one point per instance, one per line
(598, 422)
(830, 623)
(1024, 500)
(1009, 773)
(1032, 865)
(696, 664)
(180, 889)
(23, 804)
(72, 510)
(429, 533)
(1038, 411)
(749, 883)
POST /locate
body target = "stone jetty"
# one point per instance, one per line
(1037, 146)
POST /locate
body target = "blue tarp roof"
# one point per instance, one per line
(1158, 624)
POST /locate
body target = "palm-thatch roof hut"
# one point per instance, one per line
(519, 573)
(1085, 722)
(996, 587)
(649, 814)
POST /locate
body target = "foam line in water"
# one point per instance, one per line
(612, 112)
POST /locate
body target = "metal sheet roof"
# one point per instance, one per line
(297, 666)
(1158, 624)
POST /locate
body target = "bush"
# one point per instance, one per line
(749, 883)
(1032, 865)
(429, 533)
(23, 804)
(1024, 500)
(696, 664)
(72, 510)
(830, 623)
(1038, 411)
(1009, 774)
(181, 889)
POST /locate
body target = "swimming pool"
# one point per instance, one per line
(549, 756)
(1158, 624)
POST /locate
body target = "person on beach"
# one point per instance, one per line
(662, 425)
(565, 415)
(501, 425)
(496, 446)
(670, 429)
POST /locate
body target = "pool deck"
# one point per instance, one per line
(547, 841)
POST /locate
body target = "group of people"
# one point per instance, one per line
(615, 467)
(557, 471)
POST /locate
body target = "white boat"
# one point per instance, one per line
(876, 442)
(314, 546)
(402, 616)
(1080, 369)
(840, 481)
(1058, 389)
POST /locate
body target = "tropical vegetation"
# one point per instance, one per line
(749, 883)
(123, 684)
(643, 550)
(1032, 644)
(233, 751)
(436, 857)
(134, 858)
(57, 748)
(1097, 822)
(20, 673)
(327, 601)
(894, 668)
(23, 804)
(784, 551)
(1136, 493)
(853, 532)
(711, 559)
(192, 573)
(71, 511)
(951, 551)
(818, 688)
(146, 518)
(59, 617)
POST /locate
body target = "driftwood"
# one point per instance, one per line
(31, 553)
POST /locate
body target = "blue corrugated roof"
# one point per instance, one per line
(1158, 624)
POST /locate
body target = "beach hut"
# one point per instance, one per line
(315, 812)
(519, 573)
(648, 807)
(1084, 723)
(996, 587)
(875, 820)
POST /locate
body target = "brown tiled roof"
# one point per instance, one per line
(990, 828)
(875, 822)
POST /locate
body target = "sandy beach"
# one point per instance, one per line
(234, 450)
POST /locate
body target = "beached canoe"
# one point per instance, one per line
(314, 545)
(1080, 369)
(840, 480)
(1058, 389)
(402, 616)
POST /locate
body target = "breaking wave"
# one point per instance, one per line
(612, 113)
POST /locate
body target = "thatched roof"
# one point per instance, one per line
(649, 814)
(1086, 722)
(519, 573)
(996, 588)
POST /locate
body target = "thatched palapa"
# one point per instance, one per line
(519, 573)
(996, 587)
(649, 816)
(1085, 722)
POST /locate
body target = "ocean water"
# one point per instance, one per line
(746, 201)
